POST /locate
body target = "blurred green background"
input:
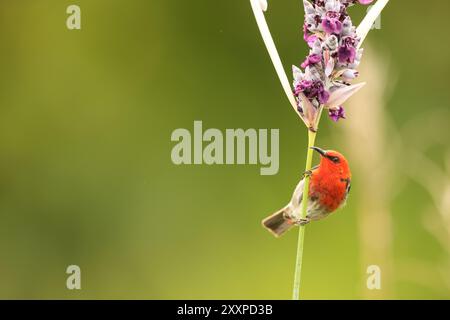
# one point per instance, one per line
(86, 176)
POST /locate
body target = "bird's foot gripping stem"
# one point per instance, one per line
(297, 221)
(307, 173)
(301, 221)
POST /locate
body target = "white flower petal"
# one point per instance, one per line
(332, 5)
(309, 110)
(309, 9)
(350, 74)
(298, 74)
(329, 63)
(342, 94)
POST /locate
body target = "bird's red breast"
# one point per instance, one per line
(330, 182)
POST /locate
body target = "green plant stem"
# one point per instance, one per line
(301, 235)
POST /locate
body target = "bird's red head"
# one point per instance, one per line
(333, 162)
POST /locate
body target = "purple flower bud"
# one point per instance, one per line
(336, 114)
(332, 25)
(323, 96)
(349, 41)
(346, 54)
(302, 86)
(311, 59)
(309, 38)
(319, 3)
(313, 90)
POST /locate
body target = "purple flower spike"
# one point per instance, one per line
(333, 59)
(337, 114)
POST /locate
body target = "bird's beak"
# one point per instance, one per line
(323, 153)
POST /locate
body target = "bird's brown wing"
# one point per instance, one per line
(298, 193)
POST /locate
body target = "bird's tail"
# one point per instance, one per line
(279, 222)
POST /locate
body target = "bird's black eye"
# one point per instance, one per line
(335, 159)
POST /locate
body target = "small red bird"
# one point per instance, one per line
(328, 190)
